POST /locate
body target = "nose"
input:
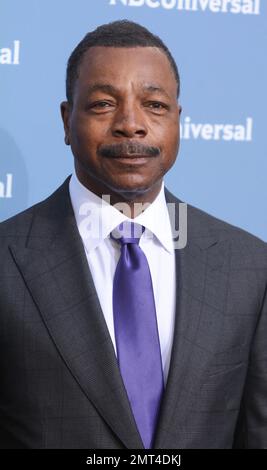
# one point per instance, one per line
(129, 121)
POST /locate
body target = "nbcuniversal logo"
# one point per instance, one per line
(6, 187)
(10, 55)
(241, 132)
(245, 7)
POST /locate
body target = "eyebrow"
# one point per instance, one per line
(155, 89)
(106, 87)
(110, 89)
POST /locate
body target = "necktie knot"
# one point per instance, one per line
(127, 232)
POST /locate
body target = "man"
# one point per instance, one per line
(113, 339)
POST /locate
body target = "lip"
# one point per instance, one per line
(132, 159)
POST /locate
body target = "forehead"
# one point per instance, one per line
(119, 65)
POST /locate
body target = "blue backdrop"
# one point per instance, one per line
(220, 49)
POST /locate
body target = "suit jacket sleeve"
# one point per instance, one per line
(251, 431)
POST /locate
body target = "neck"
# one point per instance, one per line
(132, 203)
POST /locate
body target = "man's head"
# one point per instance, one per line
(122, 115)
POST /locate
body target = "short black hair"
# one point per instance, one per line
(121, 33)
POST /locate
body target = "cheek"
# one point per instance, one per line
(175, 141)
(87, 135)
(170, 151)
(169, 138)
(174, 134)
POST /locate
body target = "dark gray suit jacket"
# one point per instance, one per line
(60, 385)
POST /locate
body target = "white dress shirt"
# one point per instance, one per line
(95, 219)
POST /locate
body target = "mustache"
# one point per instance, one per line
(127, 148)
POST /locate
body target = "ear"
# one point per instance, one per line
(65, 114)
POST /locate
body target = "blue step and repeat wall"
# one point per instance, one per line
(220, 49)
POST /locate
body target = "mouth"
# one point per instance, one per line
(132, 159)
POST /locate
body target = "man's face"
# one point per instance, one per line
(123, 127)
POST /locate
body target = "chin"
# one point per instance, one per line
(130, 189)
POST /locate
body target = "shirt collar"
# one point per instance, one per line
(96, 218)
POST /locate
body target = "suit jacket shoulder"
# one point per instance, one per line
(48, 211)
(204, 227)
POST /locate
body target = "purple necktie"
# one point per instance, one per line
(136, 333)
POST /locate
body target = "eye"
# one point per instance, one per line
(156, 105)
(100, 104)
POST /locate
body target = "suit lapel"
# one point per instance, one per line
(200, 297)
(55, 269)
